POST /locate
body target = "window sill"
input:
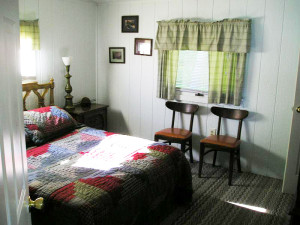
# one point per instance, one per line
(28, 79)
(191, 97)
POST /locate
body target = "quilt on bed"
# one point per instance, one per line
(93, 177)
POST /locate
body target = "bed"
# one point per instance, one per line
(93, 177)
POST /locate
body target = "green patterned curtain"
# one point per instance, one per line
(168, 64)
(29, 29)
(226, 76)
(229, 35)
(228, 41)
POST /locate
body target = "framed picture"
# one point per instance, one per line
(130, 24)
(117, 55)
(143, 46)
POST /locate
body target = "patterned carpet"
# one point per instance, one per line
(214, 202)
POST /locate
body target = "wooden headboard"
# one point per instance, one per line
(34, 87)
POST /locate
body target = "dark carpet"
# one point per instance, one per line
(216, 203)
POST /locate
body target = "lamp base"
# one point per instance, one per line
(69, 108)
(69, 98)
(69, 103)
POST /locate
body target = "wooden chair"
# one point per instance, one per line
(176, 135)
(223, 142)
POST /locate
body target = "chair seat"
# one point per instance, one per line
(174, 133)
(222, 140)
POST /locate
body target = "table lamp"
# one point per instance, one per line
(69, 98)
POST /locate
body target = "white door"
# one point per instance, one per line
(293, 159)
(13, 167)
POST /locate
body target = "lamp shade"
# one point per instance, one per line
(67, 60)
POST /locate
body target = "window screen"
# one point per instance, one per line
(28, 58)
(193, 71)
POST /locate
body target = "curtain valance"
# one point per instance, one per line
(30, 29)
(229, 35)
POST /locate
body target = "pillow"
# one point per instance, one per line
(28, 138)
(46, 123)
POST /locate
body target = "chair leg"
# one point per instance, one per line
(182, 147)
(170, 142)
(155, 138)
(215, 157)
(201, 156)
(191, 150)
(230, 167)
(238, 159)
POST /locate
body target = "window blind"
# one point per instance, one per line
(193, 71)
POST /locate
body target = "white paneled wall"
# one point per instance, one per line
(130, 89)
(67, 28)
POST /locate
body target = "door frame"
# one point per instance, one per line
(13, 161)
(292, 165)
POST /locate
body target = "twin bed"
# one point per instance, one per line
(91, 177)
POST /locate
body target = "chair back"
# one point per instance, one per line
(234, 114)
(182, 108)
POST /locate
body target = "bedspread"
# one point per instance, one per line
(93, 177)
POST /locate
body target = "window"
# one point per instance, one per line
(29, 48)
(28, 58)
(227, 42)
(192, 76)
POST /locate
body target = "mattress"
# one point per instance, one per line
(94, 177)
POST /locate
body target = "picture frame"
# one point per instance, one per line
(117, 55)
(143, 46)
(130, 24)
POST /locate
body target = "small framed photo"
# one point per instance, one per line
(117, 55)
(143, 46)
(130, 24)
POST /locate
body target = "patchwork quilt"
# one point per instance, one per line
(93, 177)
(43, 124)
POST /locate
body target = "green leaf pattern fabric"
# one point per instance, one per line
(229, 35)
(168, 65)
(30, 29)
(226, 77)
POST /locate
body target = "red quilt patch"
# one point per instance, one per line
(32, 127)
(108, 133)
(137, 156)
(38, 150)
(107, 183)
(42, 110)
(65, 193)
(88, 137)
(163, 148)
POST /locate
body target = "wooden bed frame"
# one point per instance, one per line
(34, 87)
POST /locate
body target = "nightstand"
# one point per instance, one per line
(94, 115)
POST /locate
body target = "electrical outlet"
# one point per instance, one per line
(213, 131)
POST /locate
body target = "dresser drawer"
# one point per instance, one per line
(95, 120)
(93, 116)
